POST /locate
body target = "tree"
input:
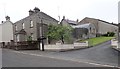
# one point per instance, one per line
(58, 32)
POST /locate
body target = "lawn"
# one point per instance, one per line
(98, 40)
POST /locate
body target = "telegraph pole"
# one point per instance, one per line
(119, 32)
(42, 37)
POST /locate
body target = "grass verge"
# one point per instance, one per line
(97, 40)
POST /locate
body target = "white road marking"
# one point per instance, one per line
(97, 64)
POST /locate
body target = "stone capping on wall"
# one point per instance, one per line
(114, 43)
(60, 46)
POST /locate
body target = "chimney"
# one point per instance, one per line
(36, 10)
(63, 17)
(30, 12)
(7, 18)
(2, 21)
(77, 20)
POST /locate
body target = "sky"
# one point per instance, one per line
(106, 10)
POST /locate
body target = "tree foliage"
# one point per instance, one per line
(58, 32)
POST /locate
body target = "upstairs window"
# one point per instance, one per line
(23, 26)
(31, 23)
(16, 28)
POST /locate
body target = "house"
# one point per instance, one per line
(89, 33)
(82, 31)
(34, 25)
(102, 27)
(0, 33)
(67, 22)
(6, 29)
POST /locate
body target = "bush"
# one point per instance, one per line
(109, 34)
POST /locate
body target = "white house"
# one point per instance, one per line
(0, 32)
(6, 30)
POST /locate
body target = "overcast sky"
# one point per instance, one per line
(72, 9)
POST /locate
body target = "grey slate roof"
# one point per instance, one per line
(82, 26)
(71, 21)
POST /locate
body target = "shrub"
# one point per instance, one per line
(109, 34)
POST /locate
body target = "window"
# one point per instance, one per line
(23, 26)
(31, 23)
(16, 28)
(18, 38)
(90, 30)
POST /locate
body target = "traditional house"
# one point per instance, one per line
(102, 27)
(6, 30)
(67, 22)
(34, 25)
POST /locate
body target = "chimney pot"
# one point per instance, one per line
(7, 18)
(36, 10)
(30, 12)
(63, 17)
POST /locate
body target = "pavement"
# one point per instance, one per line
(99, 56)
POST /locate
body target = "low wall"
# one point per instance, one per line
(114, 43)
(61, 47)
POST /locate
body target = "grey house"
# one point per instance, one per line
(67, 22)
(82, 31)
(85, 31)
(34, 25)
(102, 27)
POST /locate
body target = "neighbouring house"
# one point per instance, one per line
(6, 29)
(35, 26)
(102, 27)
(67, 22)
(82, 31)
(89, 33)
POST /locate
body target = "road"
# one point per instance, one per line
(100, 56)
(14, 59)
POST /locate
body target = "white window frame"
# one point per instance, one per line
(18, 37)
(31, 24)
(16, 28)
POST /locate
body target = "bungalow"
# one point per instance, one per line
(102, 27)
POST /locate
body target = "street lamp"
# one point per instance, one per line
(41, 38)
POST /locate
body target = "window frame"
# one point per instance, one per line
(31, 24)
(23, 25)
